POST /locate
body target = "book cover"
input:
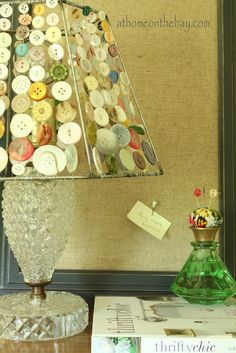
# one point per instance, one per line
(161, 324)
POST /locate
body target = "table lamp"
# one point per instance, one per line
(68, 111)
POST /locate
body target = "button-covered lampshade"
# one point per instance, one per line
(67, 106)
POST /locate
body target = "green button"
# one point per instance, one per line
(92, 133)
(86, 10)
(111, 165)
(59, 72)
(138, 129)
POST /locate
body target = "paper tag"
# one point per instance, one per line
(144, 217)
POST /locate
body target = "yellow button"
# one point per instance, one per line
(126, 123)
(42, 111)
(38, 91)
(109, 37)
(91, 83)
(76, 13)
(105, 26)
(3, 88)
(2, 128)
(39, 10)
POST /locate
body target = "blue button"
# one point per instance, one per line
(114, 76)
(22, 49)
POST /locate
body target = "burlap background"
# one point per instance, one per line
(175, 76)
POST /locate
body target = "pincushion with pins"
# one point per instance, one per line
(205, 217)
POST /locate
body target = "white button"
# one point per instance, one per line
(97, 161)
(5, 55)
(104, 69)
(23, 7)
(76, 26)
(37, 73)
(116, 89)
(2, 107)
(65, 112)
(102, 15)
(96, 98)
(3, 72)
(53, 34)
(89, 110)
(86, 36)
(51, 4)
(21, 125)
(22, 65)
(49, 160)
(86, 65)
(120, 114)
(6, 101)
(22, 32)
(18, 169)
(61, 91)
(127, 159)
(6, 10)
(81, 52)
(79, 39)
(132, 108)
(84, 24)
(122, 134)
(107, 141)
(124, 89)
(52, 19)
(36, 53)
(3, 159)
(101, 117)
(20, 103)
(71, 158)
(124, 78)
(36, 37)
(5, 40)
(55, 51)
(38, 22)
(114, 99)
(95, 40)
(100, 54)
(107, 97)
(69, 133)
(92, 17)
(91, 28)
(5, 24)
(21, 84)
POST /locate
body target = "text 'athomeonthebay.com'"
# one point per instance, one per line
(164, 22)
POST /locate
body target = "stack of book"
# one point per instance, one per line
(162, 324)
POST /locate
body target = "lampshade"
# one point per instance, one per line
(68, 104)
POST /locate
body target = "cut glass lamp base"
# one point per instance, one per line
(60, 315)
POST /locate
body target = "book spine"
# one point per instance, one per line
(188, 345)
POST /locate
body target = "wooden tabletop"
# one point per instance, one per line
(77, 344)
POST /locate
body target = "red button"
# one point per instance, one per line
(135, 140)
(21, 149)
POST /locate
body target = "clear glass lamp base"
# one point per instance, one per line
(60, 315)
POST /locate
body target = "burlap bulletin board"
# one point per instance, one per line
(174, 72)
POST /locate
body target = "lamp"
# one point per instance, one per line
(69, 113)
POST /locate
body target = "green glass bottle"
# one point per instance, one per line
(204, 279)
